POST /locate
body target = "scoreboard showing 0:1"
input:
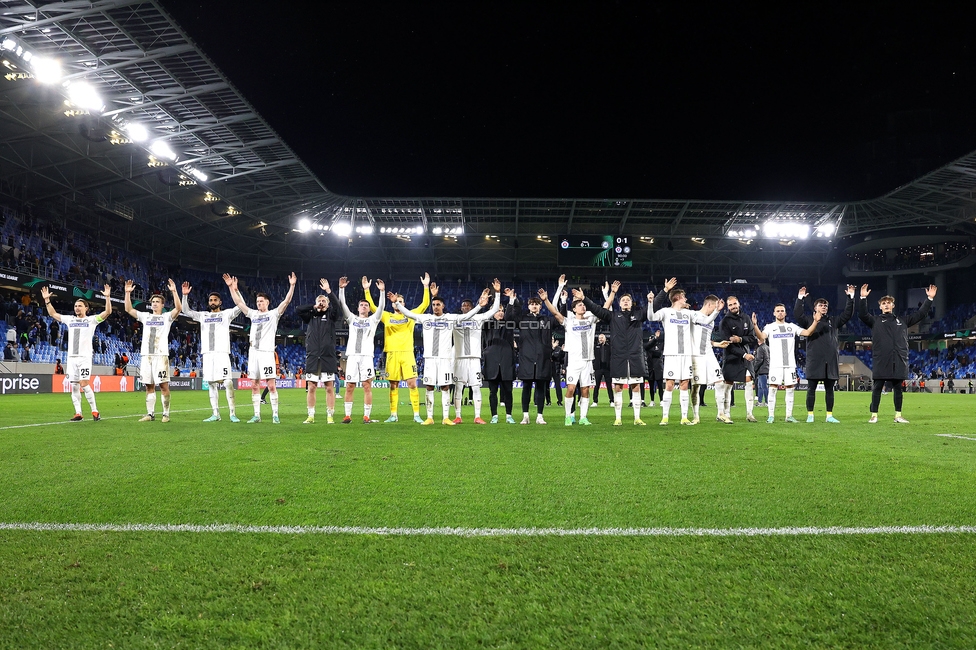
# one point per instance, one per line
(594, 250)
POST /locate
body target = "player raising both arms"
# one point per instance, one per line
(215, 348)
(467, 351)
(154, 365)
(401, 364)
(81, 329)
(260, 358)
(359, 350)
(580, 328)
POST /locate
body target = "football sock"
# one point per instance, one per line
(683, 401)
(458, 396)
(229, 392)
(750, 398)
(347, 408)
(394, 399)
(445, 403)
(415, 400)
(635, 402)
(165, 404)
(618, 403)
(76, 397)
(151, 403)
(771, 401)
(789, 401)
(274, 403)
(666, 402)
(728, 399)
(214, 396)
(569, 407)
(584, 406)
(311, 411)
(430, 404)
(367, 410)
(696, 400)
(477, 403)
(720, 398)
(256, 403)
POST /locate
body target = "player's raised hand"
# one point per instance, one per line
(562, 279)
(802, 293)
(577, 294)
(483, 300)
(433, 289)
(721, 305)
(107, 290)
(130, 286)
(391, 297)
(343, 282)
(754, 321)
(650, 297)
(366, 282)
(46, 292)
(606, 287)
(930, 291)
(850, 290)
(670, 284)
(380, 285)
(292, 279)
(187, 288)
(324, 285)
(509, 293)
(171, 285)
(496, 284)
(543, 294)
(426, 279)
(864, 291)
(615, 286)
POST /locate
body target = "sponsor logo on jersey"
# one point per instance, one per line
(361, 323)
(437, 325)
(213, 319)
(581, 328)
(399, 321)
(678, 321)
(783, 335)
(83, 323)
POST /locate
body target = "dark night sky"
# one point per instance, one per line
(603, 99)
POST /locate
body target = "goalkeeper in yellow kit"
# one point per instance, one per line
(401, 364)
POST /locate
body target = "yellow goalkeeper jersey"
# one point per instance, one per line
(397, 328)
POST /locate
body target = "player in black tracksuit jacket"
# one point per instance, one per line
(534, 357)
(320, 345)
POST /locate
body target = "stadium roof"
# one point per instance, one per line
(236, 191)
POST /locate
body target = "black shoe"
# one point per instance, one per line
(559, 403)
(77, 418)
(264, 402)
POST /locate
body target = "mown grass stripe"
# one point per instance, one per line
(790, 531)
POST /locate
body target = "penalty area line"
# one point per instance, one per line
(952, 435)
(491, 532)
(114, 417)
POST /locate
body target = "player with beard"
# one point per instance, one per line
(535, 358)
(822, 357)
(627, 363)
(215, 348)
(467, 352)
(739, 332)
(498, 338)
(889, 346)
(321, 360)
(81, 330)
(579, 326)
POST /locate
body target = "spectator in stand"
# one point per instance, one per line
(8, 352)
(26, 356)
(601, 368)
(58, 368)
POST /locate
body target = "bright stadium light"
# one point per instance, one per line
(46, 71)
(304, 225)
(197, 174)
(364, 230)
(826, 230)
(785, 230)
(84, 96)
(9, 45)
(342, 228)
(162, 150)
(137, 132)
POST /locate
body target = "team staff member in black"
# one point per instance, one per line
(889, 346)
(627, 364)
(535, 358)
(558, 362)
(654, 356)
(601, 367)
(498, 355)
(822, 357)
(738, 331)
(321, 361)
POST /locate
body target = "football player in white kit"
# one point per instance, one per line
(215, 349)
(781, 337)
(359, 349)
(467, 351)
(261, 356)
(580, 328)
(438, 330)
(81, 329)
(705, 369)
(679, 348)
(154, 363)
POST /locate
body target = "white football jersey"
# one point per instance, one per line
(80, 333)
(264, 326)
(439, 332)
(701, 336)
(362, 331)
(467, 332)
(781, 338)
(580, 333)
(155, 333)
(214, 328)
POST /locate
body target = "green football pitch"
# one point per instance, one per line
(189, 534)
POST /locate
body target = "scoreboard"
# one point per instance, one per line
(595, 250)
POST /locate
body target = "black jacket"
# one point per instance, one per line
(535, 346)
(601, 355)
(736, 325)
(654, 349)
(498, 349)
(320, 337)
(889, 340)
(822, 343)
(626, 339)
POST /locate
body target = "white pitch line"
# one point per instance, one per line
(951, 435)
(114, 417)
(492, 532)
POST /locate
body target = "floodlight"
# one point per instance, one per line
(304, 225)
(438, 230)
(364, 230)
(197, 174)
(342, 228)
(825, 230)
(46, 71)
(84, 96)
(162, 150)
(9, 44)
(137, 132)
